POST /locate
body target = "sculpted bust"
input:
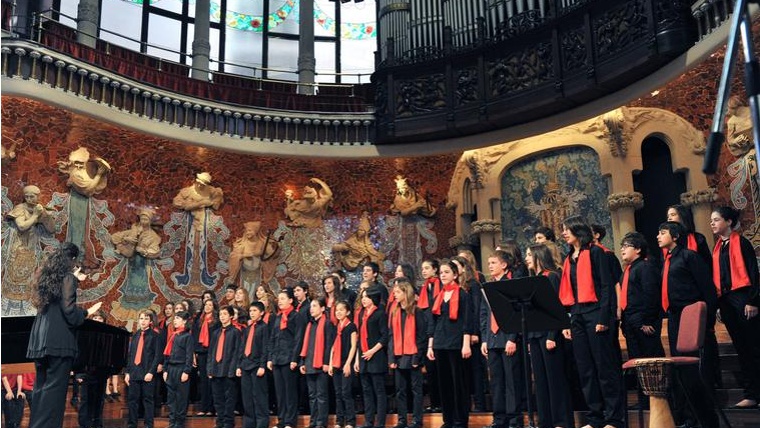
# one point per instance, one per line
(140, 238)
(86, 176)
(311, 208)
(407, 202)
(358, 248)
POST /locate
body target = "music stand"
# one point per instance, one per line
(526, 305)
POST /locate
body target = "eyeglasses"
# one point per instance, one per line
(624, 245)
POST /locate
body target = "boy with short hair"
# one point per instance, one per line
(178, 365)
(142, 364)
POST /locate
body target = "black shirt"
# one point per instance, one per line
(182, 352)
(377, 332)
(345, 342)
(258, 357)
(231, 352)
(151, 354)
(285, 345)
(603, 286)
(329, 337)
(448, 333)
(745, 295)
(644, 298)
(689, 281)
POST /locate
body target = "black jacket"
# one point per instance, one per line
(285, 345)
(689, 281)
(329, 338)
(644, 298)
(231, 352)
(377, 332)
(258, 357)
(422, 319)
(53, 329)
(182, 352)
(152, 354)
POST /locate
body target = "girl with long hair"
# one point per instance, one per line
(586, 289)
(286, 336)
(546, 356)
(342, 356)
(450, 346)
(408, 340)
(205, 325)
(690, 239)
(52, 343)
(319, 334)
(332, 293)
(429, 290)
(372, 359)
(735, 275)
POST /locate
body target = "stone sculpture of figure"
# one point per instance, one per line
(311, 208)
(249, 256)
(407, 202)
(196, 198)
(139, 245)
(31, 221)
(140, 238)
(738, 127)
(358, 249)
(86, 176)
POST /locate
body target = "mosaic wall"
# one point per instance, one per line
(149, 172)
(546, 189)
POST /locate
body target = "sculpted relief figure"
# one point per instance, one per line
(196, 198)
(29, 222)
(311, 208)
(139, 239)
(738, 127)
(250, 256)
(86, 176)
(407, 202)
(358, 249)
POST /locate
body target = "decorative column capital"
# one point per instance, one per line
(698, 197)
(456, 242)
(488, 225)
(619, 200)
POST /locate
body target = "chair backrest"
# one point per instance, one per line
(691, 331)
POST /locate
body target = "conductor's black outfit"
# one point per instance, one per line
(53, 347)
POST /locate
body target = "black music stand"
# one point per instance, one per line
(526, 305)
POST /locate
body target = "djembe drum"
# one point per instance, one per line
(654, 379)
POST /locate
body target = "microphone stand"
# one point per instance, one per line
(741, 26)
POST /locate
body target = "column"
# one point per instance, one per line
(700, 202)
(306, 61)
(88, 15)
(622, 208)
(201, 45)
(490, 234)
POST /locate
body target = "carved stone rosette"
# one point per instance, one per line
(488, 225)
(698, 197)
(619, 200)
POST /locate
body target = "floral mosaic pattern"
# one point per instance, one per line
(546, 189)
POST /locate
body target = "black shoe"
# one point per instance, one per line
(400, 425)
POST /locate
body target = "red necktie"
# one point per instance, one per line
(624, 291)
(249, 341)
(665, 269)
(138, 355)
(494, 326)
(220, 346)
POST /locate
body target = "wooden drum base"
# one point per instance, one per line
(659, 413)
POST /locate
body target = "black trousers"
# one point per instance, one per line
(409, 379)
(552, 392)
(141, 391)
(13, 410)
(455, 387)
(317, 385)
(204, 384)
(91, 400)
(49, 402)
(507, 386)
(255, 393)
(433, 391)
(345, 408)
(642, 345)
(375, 398)
(286, 389)
(478, 368)
(224, 392)
(745, 334)
(177, 393)
(599, 369)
